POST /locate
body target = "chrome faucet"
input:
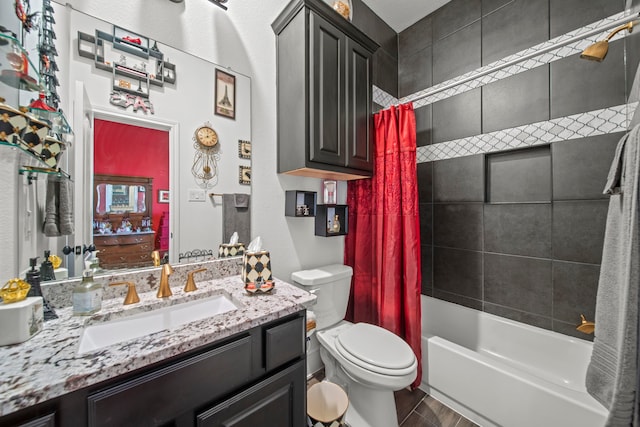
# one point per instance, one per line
(165, 290)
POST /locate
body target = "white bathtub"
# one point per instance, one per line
(498, 372)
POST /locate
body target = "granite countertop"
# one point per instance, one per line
(48, 365)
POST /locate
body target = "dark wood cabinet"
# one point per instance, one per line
(257, 377)
(324, 93)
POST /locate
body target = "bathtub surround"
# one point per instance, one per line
(489, 256)
(612, 373)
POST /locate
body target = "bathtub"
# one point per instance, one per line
(498, 372)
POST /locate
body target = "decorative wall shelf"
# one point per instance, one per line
(326, 217)
(300, 203)
(133, 79)
(18, 74)
(16, 69)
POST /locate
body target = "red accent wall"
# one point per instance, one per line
(121, 149)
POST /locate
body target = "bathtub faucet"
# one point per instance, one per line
(586, 326)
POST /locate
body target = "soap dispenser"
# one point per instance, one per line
(46, 268)
(87, 295)
(33, 278)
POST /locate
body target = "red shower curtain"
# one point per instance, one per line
(383, 244)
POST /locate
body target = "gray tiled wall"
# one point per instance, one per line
(531, 258)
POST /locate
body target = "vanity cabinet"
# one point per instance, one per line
(324, 93)
(257, 377)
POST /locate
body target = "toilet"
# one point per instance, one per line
(369, 362)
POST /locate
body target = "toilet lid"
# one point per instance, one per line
(376, 349)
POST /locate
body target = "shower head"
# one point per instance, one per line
(598, 50)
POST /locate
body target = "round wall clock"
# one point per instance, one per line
(205, 161)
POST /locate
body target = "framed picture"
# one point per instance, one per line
(225, 94)
(245, 175)
(163, 196)
(244, 149)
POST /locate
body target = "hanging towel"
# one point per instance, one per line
(51, 211)
(65, 206)
(58, 217)
(236, 216)
(612, 373)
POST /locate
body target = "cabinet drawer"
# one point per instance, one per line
(128, 239)
(284, 342)
(277, 401)
(160, 396)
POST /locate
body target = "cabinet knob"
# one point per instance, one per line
(132, 294)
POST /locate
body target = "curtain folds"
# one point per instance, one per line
(383, 244)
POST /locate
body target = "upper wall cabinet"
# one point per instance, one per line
(324, 93)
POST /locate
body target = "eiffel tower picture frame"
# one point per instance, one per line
(225, 96)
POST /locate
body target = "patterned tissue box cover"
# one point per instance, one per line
(226, 250)
(255, 265)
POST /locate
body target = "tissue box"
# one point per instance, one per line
(226, 250)
(255, 265)
(21, 320)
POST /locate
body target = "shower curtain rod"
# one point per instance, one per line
(515, 61)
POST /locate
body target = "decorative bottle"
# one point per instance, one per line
(335, 228)
(87, 295)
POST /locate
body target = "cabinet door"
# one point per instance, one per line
(327, 104)
(359, 139)
(156, 398)
(278, 401)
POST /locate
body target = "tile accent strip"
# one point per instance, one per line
(581, 125)
(483, 75)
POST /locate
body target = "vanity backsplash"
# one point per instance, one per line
(59, 294)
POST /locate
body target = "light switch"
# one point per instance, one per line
(196, 195)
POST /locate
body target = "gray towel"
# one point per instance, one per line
(612, 373)
(65, 208)
(50, 227)
(236, 218)
(58, 217)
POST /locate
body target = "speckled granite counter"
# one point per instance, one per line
(48, 365)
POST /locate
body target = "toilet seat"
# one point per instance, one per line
(376, 349)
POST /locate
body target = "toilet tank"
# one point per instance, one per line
(331, 285)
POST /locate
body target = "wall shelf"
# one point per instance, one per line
(325, 220)
(127, 78)
(296, 201)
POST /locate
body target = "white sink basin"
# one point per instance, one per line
(101, 335)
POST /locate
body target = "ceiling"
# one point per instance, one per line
(400, 14)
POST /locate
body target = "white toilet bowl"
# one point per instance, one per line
(370, 363)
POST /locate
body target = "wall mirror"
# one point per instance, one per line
(183, 103)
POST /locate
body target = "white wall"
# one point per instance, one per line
(242, 39)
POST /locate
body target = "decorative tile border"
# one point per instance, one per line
(508, 66)
(383, 98)
(590, 123)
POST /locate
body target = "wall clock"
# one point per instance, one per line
(205, 161)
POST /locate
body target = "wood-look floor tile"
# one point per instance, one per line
(415, 420)
(437, 413)
(406, 401)
(466, 423)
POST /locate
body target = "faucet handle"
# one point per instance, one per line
(155, 256)
(132, 294)
(191, 284)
